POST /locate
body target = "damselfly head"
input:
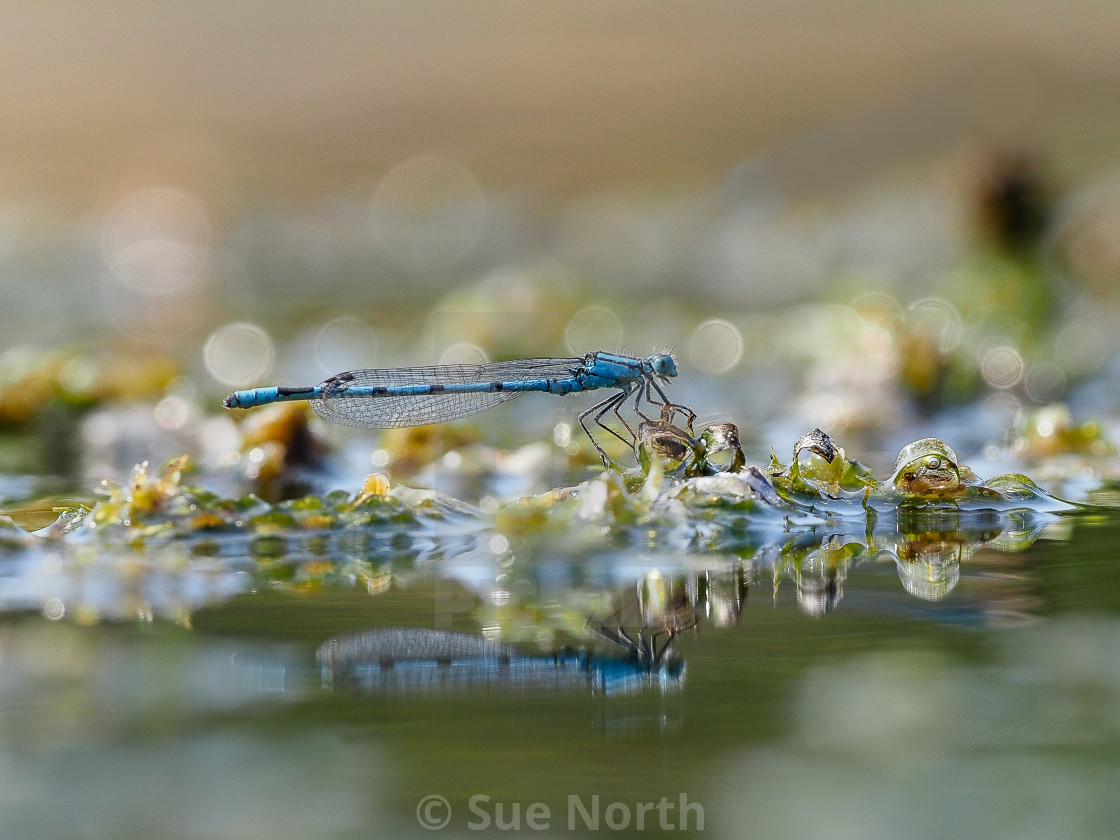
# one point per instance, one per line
(663, 365)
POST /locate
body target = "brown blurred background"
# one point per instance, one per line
(257, 103)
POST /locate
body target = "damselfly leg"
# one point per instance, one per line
(669, 410)
(650, 645)
(611, 403)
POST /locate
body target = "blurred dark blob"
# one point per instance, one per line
(1013, 203)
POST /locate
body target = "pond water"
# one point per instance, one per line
(871, 678)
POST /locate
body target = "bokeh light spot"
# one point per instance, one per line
(593, 328)
(939, 319)
(238, 354)
(1082, 345)
(156, 240)
(345, 343)
(428, 213)
(463, 353)
(1045, 382)
(715, 346)
(1002, 367)
(873, 309)
(172, 412)
(78, 375)
(160, 319)
(1002, 410)
(54, 609)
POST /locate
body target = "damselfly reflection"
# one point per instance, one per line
(422, 661)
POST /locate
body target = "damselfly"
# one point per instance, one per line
(415, 396)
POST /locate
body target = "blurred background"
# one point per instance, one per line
(853, 216)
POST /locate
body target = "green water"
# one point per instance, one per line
(993, 712)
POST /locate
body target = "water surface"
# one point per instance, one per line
(989, 712)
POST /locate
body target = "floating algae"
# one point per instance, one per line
(676, 484)
(691, 500)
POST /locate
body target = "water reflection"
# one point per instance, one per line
(422, 661)
(517, 586)
(677, 593)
